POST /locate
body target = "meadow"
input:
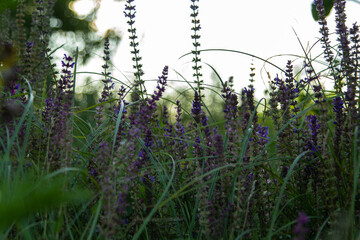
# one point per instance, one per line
(143, 165)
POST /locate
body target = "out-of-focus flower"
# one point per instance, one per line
(9, 110)
(300, 230)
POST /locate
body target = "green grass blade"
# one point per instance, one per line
(156, 207)
(93, 224)
(282, 190)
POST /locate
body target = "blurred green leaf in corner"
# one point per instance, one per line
(30, 195)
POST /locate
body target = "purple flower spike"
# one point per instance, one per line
(263, 132)
(299, 230)
(196, 109)
(219, 145)
(338, 104)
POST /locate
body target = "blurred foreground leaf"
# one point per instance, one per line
(22, 198)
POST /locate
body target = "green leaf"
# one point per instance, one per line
(7, 4)
(20, 198)
(328, 5)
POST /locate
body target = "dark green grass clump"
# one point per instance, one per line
(286, 167)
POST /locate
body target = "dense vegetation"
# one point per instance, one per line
(286, 167)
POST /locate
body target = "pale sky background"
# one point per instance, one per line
(260, 27)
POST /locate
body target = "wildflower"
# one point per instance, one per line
(338, 105)
(231, 115)
(324, 30)
(313, 124)
(139, 83)
(101, 161)
(342, 31)
(208, 135)
(195, 36)
(57, 115)
(179, 127)
(121, 130)
(108, 84)
(148, 110)
(250, 97)
(180, 146)
(353, 75)
(219, 145)
(198, 151)
(121, 207)
(168, 128)
(230, 106)
(141, 123)
(263, 132)
(196, 109)
(299, 230)
(312, 144)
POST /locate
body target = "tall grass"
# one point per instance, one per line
(286, 167)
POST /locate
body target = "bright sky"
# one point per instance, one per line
(260, 27)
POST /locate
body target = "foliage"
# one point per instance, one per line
(64, 21)
(126, 167)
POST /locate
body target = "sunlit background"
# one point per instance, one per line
(276, 30)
